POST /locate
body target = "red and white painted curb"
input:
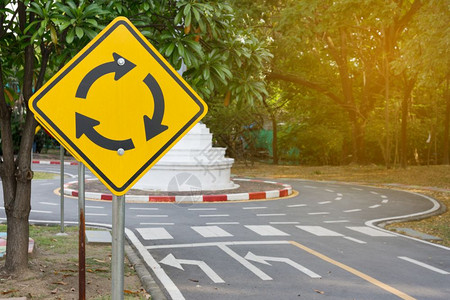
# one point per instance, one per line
(285, 190)
(54, 162)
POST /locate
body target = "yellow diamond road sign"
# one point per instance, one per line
(118, 106)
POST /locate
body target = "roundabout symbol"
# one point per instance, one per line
(83, 106)
(85, 125)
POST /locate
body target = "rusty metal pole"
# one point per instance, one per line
(81, 234)
(117, 264)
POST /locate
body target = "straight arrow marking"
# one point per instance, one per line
(264, 259)
(172, 261)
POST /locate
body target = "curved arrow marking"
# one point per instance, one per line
(153, 125)
(85, 125)
(120, 66)
(170, 260)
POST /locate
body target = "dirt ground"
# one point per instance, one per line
(53, 270)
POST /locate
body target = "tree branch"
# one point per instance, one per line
(306, 83)
(401, 24)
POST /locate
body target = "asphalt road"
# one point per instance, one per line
(319, 244)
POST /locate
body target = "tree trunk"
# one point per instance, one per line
(386, 115)
(409, 85)
(274, 140)
(17, 192)
(404, 131)
(445, 158)
(358, 132)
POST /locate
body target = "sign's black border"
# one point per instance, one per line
(75, 148)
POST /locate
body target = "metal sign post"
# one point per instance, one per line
(61, 191)
(81, 235)
(118, 228)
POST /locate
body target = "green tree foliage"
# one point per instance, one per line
(38, 37)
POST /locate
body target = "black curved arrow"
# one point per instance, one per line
(85, 125)
(153, 125)
(99, 71)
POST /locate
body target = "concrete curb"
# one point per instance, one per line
(284, 191)
(148, 283)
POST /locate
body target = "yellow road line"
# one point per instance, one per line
(366, 277)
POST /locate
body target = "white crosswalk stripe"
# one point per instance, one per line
(370, 231)
(211, 231)
(319, 231)
(154, 233)
(266, 230)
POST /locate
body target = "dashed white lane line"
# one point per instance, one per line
(222, 223)
(352, 210)
(319, 213)
(41, 211)
(156, 233)
(284, 223)
(354, 240)
(152, 216)
(255, 207)
(266, 230)
(96, 215)
(357, 189)
(336, 221)
(424, 265)
(339, 195)
(324, 202)
(310, 186)
(330, 191)
(211, 231)
(94, 207)
(372, 192)
(144, 208)
(383, 196)
(319, 231)
(370, 231)
(385, 201)
(213, 216)
(297, 205)
(270, 215)
(202, 209)
(158, 224)
(338, 198)
(375, 206)
(49, 203)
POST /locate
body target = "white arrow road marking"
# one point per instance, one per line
(264, 259)
(170, 260)
(245, 262)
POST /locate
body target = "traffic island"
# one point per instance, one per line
(249, 189)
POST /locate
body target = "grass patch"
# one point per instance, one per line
(45, 175)
(53, 269)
